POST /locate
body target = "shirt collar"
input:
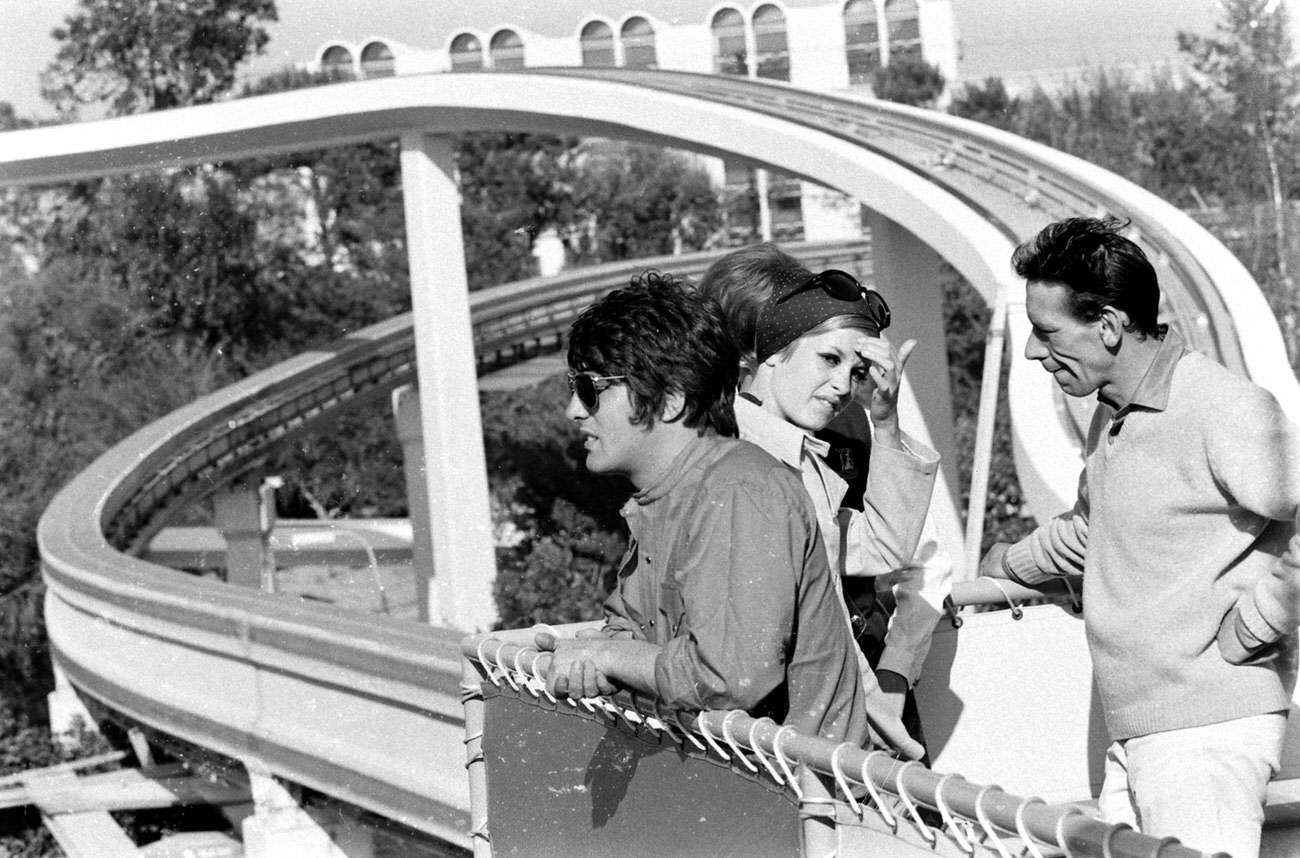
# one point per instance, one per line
(783, 440)
(1152, 393)
(681, 463)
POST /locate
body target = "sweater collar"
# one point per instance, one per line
(677, 469)
(783, 440)
(1152, 392)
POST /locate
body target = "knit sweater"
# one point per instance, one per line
(1184, 531)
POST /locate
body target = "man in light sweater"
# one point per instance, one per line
(1184, 530)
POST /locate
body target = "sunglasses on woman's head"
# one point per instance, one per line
(588, 386)
(843, 286)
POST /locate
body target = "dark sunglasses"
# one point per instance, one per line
(589, 386)
(843, 286)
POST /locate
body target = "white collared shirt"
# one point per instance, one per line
(891, 539)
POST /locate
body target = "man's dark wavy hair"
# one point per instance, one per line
(665, 338)
(1100, 267)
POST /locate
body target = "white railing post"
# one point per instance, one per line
(460, 516)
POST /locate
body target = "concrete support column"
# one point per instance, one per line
(279, 826)
(406, 413)
(66, 710)
(909, 274)
(242, 520)
(460, 514)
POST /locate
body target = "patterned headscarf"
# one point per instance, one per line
(790, 314)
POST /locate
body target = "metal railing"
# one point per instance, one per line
(871, 788)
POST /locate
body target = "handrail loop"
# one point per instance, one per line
(731, 743)
(926, 832)
(946, 814)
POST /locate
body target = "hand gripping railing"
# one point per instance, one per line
(869, 785)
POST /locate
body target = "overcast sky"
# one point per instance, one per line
(996, 35)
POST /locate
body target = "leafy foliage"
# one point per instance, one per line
(644, 201)
(513, 188)
(908, 80)
(566, 531)
(1249, 68)
(989, 102)
(142, 55)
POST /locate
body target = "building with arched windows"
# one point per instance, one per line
(823, 45)
(820, 45)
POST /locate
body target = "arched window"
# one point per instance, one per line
(904, 22)
(597, 44)
(770, 43)
(466, 53)
(729, 53)
(376, 60)
(337, 60)
(861, 41)
(507, 50)
(639, 44)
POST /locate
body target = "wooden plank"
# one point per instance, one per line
(71, 766)
(90, 834)
(125, 789)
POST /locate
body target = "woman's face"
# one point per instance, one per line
(822, 374)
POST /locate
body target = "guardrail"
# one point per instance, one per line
(876, 797)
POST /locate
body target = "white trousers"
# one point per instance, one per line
(1204, 785)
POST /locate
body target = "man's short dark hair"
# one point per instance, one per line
(665, 338)
(1100, 267)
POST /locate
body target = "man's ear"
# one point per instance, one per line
(674, 405)
(1111, 326)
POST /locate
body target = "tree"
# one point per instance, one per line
(513, 188)
(987, 102)
(907, 80)
(142, 55)
(1249, 66)
(643, 201)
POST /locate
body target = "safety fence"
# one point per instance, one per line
(541, 769)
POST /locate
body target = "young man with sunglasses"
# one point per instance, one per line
(813, 353)
(1184, 533)
(724, 599)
